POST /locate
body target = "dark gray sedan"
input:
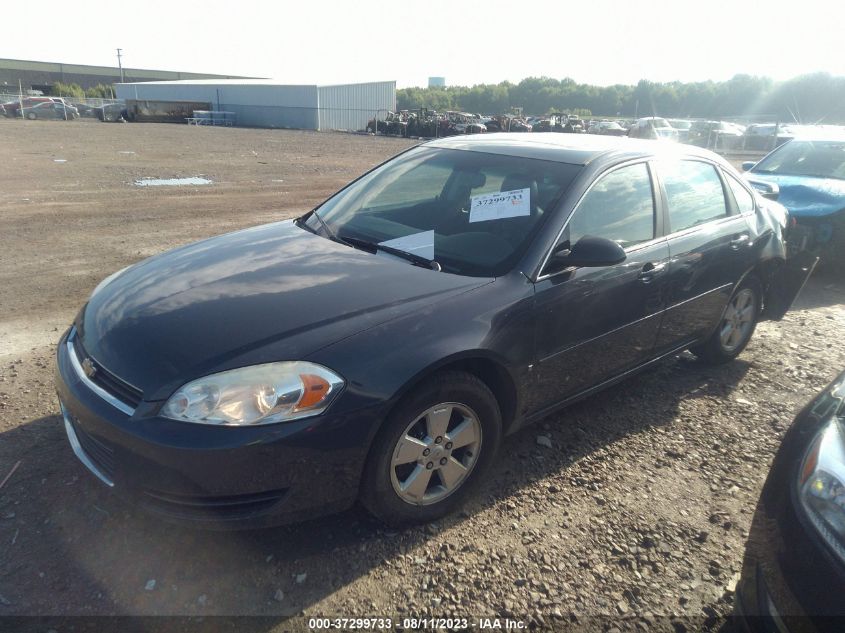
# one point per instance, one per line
(381, 346)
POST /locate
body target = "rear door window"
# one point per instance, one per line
(694, 192)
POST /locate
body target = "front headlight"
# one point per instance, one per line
(260, 394)
(822, 485)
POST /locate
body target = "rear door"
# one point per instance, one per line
(710, 248)
(595, 323)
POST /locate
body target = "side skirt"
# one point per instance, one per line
(542, 413)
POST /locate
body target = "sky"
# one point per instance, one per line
(599, 42)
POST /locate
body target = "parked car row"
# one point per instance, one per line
(59, 108)
(718, 135)
(40, 108)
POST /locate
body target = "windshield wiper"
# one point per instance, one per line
(374, 247)
(327, 230)
(329, 233)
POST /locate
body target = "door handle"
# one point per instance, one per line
(650, 271)
(739, 242)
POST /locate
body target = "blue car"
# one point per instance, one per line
(809, 173)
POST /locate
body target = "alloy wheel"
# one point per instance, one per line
(436, 453)
(738, 321)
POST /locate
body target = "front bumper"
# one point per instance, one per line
(214, 476)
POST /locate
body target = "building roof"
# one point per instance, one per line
(244, 82)
(107, 71)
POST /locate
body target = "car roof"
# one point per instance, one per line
(575, 149)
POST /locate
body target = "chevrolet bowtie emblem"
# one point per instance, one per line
(89, 368)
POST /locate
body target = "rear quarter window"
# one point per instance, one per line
(744, 200)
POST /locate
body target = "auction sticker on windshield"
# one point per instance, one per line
(500, 205)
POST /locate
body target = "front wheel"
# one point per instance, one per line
(31, 116)
(433, 451)
(736, 326)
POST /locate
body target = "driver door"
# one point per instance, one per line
(595, 323)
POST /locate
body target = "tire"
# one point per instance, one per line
(31, 116)
(387, 490)
(736, 326)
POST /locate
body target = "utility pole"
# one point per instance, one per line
(119, 64)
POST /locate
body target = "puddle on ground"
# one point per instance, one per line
(171, 182)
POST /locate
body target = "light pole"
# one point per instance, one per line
(119, 64)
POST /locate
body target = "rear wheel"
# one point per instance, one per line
(31, 116)
(736, 326)
(433, 451)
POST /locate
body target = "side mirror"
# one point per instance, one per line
(748, 165)
(768, 190)
(590, 252)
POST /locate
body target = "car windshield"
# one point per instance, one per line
(473, 213)
(680, 125)
(815, 159)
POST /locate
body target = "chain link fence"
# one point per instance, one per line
(15, 105)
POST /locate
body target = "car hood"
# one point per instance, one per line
(273, 292)
(805, 196)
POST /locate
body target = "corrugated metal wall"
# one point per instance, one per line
(255, 105)
(342, 107)
(349, 107)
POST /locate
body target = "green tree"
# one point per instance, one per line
(811, 98)
(60, 89)
(101, 91)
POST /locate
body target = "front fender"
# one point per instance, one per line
(493, 323)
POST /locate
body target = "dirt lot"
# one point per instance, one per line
(638, 511)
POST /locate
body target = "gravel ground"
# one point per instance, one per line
(629, 510)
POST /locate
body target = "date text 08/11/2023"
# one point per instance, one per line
(491, 624)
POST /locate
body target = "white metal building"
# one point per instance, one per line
(267, 103)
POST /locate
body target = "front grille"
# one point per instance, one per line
(205, 508)
(106, 380)
(98, 451)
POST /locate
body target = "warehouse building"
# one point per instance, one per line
(266, 103)
(33, 75)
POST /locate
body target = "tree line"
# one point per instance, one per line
(60, 89)
(813, 98)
